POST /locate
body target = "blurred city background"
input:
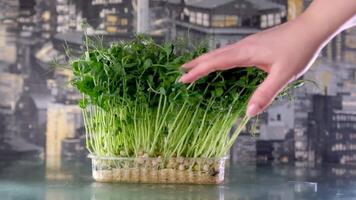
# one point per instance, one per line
(38, 112)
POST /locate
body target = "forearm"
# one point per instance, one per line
(326, 18)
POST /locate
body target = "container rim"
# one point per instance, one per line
(93, 156)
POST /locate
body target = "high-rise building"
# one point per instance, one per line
(332, 130)
(276, 129)
(7, 47)
(45, 12)
(8, 21)
(223, 22)
(63, 92)
(62, 122)
(26, 19)
(26, 40)
(335, 79)
(334, 97)
(19, 116)
(244, 149)
(349, 54)
(112, 17)
(334, 50)
(342, 48)
(159, 21)
(11, 88)
(68, 15)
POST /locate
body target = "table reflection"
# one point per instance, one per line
(71, 179)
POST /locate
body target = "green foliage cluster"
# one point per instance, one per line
(133, 103)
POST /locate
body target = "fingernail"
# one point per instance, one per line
(182, 79)
(253, 110)
(185, 70)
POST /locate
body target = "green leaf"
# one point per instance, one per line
(219, 91)
(147, 64)
(83, 103)
(162, 91)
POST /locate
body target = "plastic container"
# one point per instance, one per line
(156, 170)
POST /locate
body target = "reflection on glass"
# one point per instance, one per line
(103, 191)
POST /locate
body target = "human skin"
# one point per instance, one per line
(285, 52)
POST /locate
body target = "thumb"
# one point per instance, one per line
(266, 92)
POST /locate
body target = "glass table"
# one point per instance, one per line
(36, 179)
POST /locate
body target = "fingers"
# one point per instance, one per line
(220, 61)
(206, 56)
(266, 92)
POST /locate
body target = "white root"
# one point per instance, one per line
(153, 170)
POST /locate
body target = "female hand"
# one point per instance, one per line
(285, 52)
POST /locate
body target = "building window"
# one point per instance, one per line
(104, 2)
(339, 136)
(114, 20)
(186, 11)
(182, 16)
(114, 29)
(270, 19)
(206, 20)
(231, 20)
(224, 20)
(111, 19)
(218, 21)
(283, 13)
(192, 17)
(263, 21)
(340, 147)
(199, 18)
(352, 136)
(352, 147)
(123, 22)
(278, 117)
(126, 10)
(277, 18)
(111, 29)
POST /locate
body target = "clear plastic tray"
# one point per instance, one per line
(156, 170)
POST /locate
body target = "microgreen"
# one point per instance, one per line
(133, 104)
